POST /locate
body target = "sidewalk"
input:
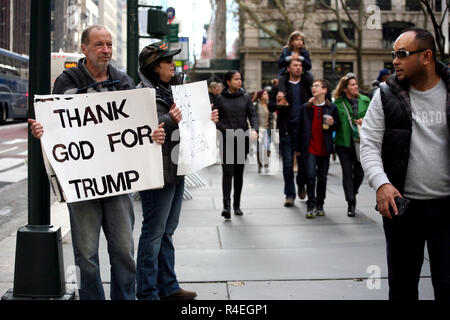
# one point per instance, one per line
(270, 252)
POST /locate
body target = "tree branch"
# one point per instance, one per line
(251, 13)
(284, 14)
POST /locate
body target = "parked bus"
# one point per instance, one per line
(13, 86)
(61, 61)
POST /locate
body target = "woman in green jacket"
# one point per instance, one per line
(352, 107)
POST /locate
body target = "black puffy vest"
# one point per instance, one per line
(397, 137)
(398, 125)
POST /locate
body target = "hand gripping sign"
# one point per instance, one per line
(197, 130)
(99, 144)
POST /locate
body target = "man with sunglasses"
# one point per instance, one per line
(405, 153)
(114, 215)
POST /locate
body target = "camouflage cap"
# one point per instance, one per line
(154, 53)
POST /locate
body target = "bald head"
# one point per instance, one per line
(421, 38)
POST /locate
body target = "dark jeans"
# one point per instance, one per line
(287, 154)
(424, 221)
(230, 172)
(352, 172)
(316, 167)
(161, 209)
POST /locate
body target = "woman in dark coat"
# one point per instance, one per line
(235, 107)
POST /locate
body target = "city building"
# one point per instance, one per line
(331, 57)
(15, 25)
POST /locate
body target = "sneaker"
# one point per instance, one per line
(319, 211)
(302, 192)
(289, 202)
(310, 212)
(181, 295)
(351, 210)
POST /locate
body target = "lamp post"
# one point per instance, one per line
(39, 266)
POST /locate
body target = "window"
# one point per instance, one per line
(330, 34)
(319, 5)
(391, 31)
(334, 75)
(266, 41)
(272, 3)
(384, 4)
(269, 71)
(413, 5)
(438, 5)
(352, 4)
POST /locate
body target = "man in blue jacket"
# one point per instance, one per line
(298, 92)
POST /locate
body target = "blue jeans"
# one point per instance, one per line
(287, 154)
(115, 215)
(155, 276)
(316, 167)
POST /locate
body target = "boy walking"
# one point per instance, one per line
(318, 119)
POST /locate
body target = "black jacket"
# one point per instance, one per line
(398, 125)
(305, 127)
(164, 101)
(285, 123)
(79, 78)
(234, 110)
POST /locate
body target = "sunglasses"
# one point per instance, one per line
(401, 54)
(168, 59)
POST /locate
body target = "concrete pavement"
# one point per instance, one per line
(270, 252)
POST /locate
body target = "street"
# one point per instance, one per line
(13, 174)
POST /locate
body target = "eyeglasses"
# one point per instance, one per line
(316, 86)
(401, 54)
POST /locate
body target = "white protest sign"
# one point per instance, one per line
(197, 130)
(99, 144)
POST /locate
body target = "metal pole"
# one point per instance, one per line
(39, 83)
(132, 39)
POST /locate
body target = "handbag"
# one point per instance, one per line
(355, 133)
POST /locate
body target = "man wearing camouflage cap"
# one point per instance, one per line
(155, 274)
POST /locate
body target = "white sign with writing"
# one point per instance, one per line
(197, 131)
(99, 144)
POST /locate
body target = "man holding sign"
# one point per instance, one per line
(155, 274)
(115, 213)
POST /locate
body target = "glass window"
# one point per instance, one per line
(334, 75)
(352, 4)
(391, 31)
(319, 5)
(413, 5)
(330, 34)
(266, 41)
(438, 5)
(384, 4)
(272, 3)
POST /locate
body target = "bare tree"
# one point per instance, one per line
(438, 23)
(292, 17)
(357, 25)
(220, 22)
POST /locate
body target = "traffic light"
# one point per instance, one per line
(157, 23)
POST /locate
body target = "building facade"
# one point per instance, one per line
(331, 57)
(15, 25)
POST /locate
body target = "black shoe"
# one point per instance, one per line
(226, 213)
(351, 210)
(238, 212)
